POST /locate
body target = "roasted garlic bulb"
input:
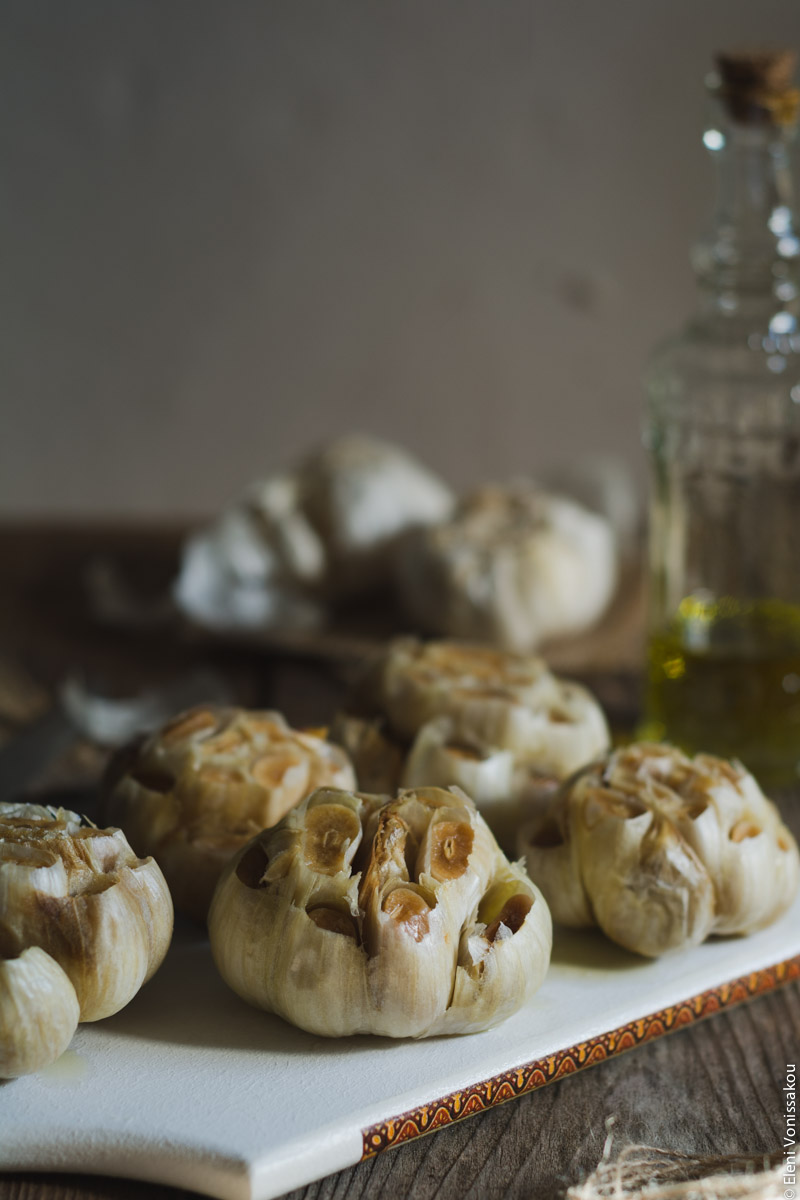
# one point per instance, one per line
(661, 850)
(513, 566)
(359, 914)
(499, 725)
(196, 790)
(83, 924)
(504, 701)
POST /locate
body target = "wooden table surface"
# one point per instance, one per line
(712, 1088)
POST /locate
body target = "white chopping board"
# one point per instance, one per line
(191, 1087)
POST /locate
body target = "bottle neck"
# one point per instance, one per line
(748, 262)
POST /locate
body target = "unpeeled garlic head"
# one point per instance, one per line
(196, 790)
(661, 850)
(358, 914)
(514, 565)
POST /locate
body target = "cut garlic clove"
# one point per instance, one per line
(39, 1012)
(493, 976)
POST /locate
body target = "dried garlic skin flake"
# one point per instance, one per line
(195, 791)
(98, 918)
(361, 914)
(661, 850)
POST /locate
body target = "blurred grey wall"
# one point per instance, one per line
(230, 230)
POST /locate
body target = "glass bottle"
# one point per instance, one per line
(723, 432)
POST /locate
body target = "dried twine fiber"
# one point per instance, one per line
(653, 1174)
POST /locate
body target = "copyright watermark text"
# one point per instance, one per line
(790, 1135)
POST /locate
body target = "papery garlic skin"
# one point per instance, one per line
(661, 850)
(359, 914)
(513, 566)
(81, 895)
(39, 1012)
(197, 789)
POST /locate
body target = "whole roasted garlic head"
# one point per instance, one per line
(359, 914)
(500, 725)
(195, 791)
(661, 850)
(83, 924)
(514, 565)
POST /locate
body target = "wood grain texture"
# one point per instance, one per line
(715, 1087)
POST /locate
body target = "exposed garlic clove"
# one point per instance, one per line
(494, 976)
(513, 566)
(83, 896)
(196, 790)
(665, 849)
(362, 915)
(39, 1012)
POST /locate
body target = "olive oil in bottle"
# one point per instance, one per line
(727, 676)
(723, 430)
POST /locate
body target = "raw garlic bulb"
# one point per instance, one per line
(514, 566)
(359, 914)
(661, 850)
(296, 541)
(83, 924)
(255, 566)
(196, 790)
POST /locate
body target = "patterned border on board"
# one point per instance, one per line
(527, 1078)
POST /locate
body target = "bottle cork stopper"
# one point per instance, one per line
(756, 86)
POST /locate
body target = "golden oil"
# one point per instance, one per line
(724, 677)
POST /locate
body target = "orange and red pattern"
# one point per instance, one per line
(527, 1078)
